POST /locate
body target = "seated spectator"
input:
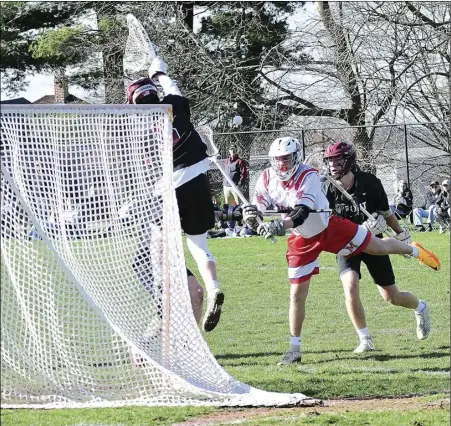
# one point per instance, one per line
(442, 208)
(403, 202)
(229, 228)
(427, 210)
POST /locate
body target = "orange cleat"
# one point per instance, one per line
(426, 257)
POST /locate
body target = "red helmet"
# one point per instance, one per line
(142, 91)
(343, 150)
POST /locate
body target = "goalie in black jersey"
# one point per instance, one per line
(191, 163)
(367, 192)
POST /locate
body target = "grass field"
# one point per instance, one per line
(404, 382)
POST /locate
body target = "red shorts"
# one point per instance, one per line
(340, 237)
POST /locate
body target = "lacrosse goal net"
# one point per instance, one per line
(95, 309)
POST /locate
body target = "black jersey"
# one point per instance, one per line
(367, 192)
(188, 148)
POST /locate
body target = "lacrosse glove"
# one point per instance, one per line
(251, 216)
(158, 66)
(404, 236)
(271, 229)
(376, 225)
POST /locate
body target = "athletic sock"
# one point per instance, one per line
(211, 285)
(363, 332)
(415, 251)
(295, 344)
(420, 307)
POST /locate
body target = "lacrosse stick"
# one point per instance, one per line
(139, 50)
(317, 161)
(206, 133)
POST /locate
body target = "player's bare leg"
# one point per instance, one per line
(197, 245)
(392, 295)
(356, 312)
(381, 246)
(196, 293)
(296, 315)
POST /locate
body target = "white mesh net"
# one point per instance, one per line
(95, 309)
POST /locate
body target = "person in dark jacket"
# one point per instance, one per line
(237, 170)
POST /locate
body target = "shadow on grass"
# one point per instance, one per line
(429, 355)
(374, 356)
(244, 356)
(266, 354)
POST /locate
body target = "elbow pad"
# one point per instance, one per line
(299, 215)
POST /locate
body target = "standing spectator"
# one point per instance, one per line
(237, 170)
(442, 209)
(428, 212)
(403, 202)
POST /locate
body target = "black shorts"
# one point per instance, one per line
(379, 267)
(197, 215)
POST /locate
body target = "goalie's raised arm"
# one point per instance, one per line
(158, 70)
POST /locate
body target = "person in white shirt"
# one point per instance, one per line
(295, 187)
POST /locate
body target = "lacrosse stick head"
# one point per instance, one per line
(206, 133)
(344, 158)
(139, 50)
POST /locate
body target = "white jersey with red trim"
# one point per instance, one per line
(303, 188)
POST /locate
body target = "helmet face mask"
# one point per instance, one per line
(340, 158)
(285, 157)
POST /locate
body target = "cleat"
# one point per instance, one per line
(290, 357)
(423, 323)
(365, 345)
(426, 257)
(215, 299)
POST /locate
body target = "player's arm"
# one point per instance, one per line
(159, 71)
(253, 212)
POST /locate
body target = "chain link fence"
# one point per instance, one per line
(417, 153)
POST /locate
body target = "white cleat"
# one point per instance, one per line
(423, 323)
(365, 345)
(290, 357)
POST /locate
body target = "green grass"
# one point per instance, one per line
(253, 276)
(253, 334)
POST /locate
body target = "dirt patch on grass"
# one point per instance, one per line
(331, 406)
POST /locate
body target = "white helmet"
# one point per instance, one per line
(282, 147)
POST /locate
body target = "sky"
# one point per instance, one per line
(39, 86)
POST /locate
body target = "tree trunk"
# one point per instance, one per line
(113, 68)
